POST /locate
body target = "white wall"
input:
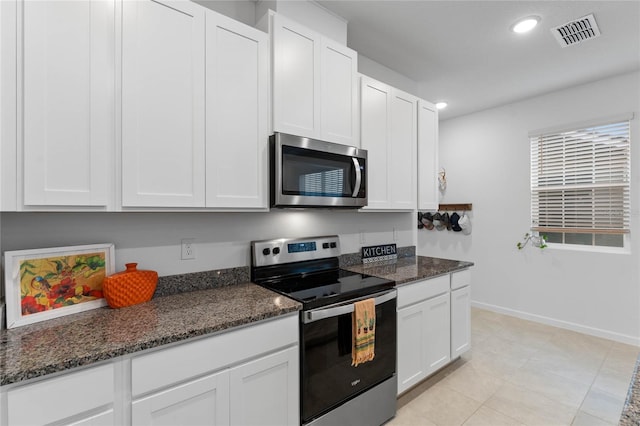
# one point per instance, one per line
(308, 13)
(221, 239)
(375, 70)
(240, 10)
(486, 156)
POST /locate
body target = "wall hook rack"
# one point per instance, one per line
(455, 207)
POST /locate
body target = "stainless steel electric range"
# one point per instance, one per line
(331, 390)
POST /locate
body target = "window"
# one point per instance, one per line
(580, 185)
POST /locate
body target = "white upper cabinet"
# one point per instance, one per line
(296, 82)
(375, 113)
(314, 84)
(402, 153)
(389, 134)
(66, 72)
(181, 60)
(339, 93)
(237, 118)
(427, 156)
(163, 104)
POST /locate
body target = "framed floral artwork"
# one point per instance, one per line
(48, 283)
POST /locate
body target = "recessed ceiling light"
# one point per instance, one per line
(525, 24)
(441, 105)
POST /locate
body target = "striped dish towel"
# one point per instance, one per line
(364, 332)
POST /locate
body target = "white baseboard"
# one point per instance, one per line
(592, 331)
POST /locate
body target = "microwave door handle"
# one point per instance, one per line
(315, 315)
(356, 165)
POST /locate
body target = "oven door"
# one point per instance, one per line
(327, 378)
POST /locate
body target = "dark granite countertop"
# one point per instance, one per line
(100, 334)
(631, 412)
(410, 269)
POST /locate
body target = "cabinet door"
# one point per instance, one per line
(67, 103)
(339, 95)
(412, 347)
(460, 321)
(8, 111)
(296, 79)
(237, 136)
(266, 391)
(163, 163)
(427, 156)
(375, 109)
(402, 151)
(437, 332)
(204, 401)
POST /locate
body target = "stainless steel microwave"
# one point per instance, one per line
(311, 173)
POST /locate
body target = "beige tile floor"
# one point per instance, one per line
(524, 373)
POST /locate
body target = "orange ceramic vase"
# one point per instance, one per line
(129, 287)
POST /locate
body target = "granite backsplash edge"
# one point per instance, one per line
(180, 283)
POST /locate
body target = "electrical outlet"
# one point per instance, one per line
(395, 234)
(362, 238)
(188, 249)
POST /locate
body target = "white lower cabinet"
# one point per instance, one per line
(221, 380)
(423, 330)
(433, 326)
(248, 376)
(460, 321)
(242, 395)
(197, 402)
(106, 418)
(437, 333)
(265, 391)
(84, 397)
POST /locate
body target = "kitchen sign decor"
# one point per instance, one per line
(48, 283)
(379, 253)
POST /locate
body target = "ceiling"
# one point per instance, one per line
(463, 51)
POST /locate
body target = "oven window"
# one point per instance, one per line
(327, 183)
(328, 379)
(314, 173)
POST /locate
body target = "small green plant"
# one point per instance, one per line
(539, 241)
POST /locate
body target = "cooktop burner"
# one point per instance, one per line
(307, 270)
(326, 288)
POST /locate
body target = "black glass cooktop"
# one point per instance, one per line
(324, 288)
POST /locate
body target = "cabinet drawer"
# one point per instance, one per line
(422, 290)
(58, 398)
(165, 367)
(460, 279)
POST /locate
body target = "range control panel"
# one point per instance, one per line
(287, 250)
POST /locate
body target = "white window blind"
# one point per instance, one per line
(580, 180)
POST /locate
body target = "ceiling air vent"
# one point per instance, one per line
(577, 31)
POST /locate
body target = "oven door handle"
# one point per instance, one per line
(318, 314)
